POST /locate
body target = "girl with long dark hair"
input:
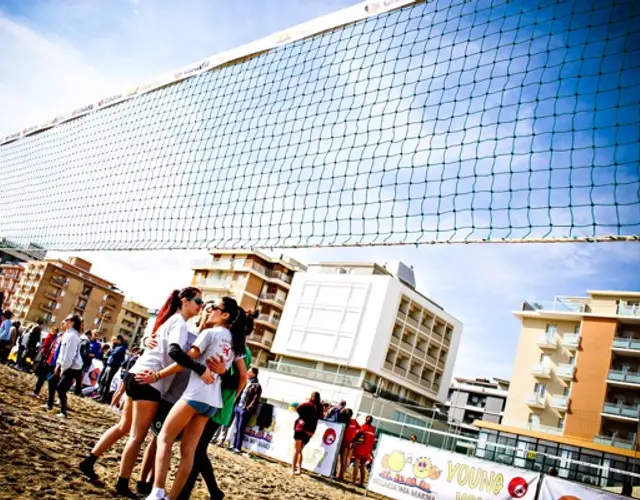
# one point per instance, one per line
(309, 413)
(141, 404)
(202, 397)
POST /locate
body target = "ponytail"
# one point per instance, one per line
(249, 323)
(238, 324)
(173, 304)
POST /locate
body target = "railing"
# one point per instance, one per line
(575, 305)
(268, 319)
(549, 339)
(261, 339)
(533, 427)
(627, 444)
(561, 402)
(272, 297)
(59, 281)
(630, 411)
(624, 376)
(314, 374)
(623, 343)
(222, 284)
(536, 399)
(565, 371)
(541, 370)
(571, 340)
(216, 264)
(628, 310)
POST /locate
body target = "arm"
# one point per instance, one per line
(68, 348)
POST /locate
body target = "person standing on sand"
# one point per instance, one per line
(68, 364)
(364, 444)
(309, 413)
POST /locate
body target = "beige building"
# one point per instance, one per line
(576, 379)
(9, 279)
(132, 321)
(256, 281)
(53, 289)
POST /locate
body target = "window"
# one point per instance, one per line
(567, 390)
(552, 328)
(540, 389)
(576, 329)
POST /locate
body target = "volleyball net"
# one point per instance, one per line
(390, 122)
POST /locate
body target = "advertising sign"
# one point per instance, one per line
(405, 471)
(276, 442)
(554, 488)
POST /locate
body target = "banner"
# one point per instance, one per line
(554, 488)
(334, 20)
(405, 471)
(276, 442)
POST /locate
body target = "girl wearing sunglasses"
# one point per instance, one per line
(202, 397)
(140, 408)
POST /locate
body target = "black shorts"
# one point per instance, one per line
(140, 392)
(161, 415)
(302, 436)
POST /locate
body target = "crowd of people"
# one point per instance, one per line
(190, 383)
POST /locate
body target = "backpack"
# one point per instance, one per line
(85, 347)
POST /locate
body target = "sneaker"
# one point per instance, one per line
(235, 450)
(87, 469)
(46, 407)
(61, 415)
(144, 488)
(33, 395)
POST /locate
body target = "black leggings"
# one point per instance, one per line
(202, 464)
(44, 370)
(61, 385)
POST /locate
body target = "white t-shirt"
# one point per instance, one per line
(173, 331)
(181, 379)
(213, 341)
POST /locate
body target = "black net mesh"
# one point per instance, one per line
(446, 121)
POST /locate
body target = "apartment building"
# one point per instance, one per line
(12, 253)
(575, 390)
(9, 279)
(257, 281)
(132, 321)
(53, 289)
(472, 399)
(362, 332)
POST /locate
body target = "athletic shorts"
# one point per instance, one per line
(202, 408)
(140, 392)
(301, 436)
(161, 415)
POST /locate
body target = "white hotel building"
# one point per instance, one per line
(362, 333)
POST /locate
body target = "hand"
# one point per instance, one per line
(57, 371)
(216, 365)
(207, 377)
(151, 343)
(145, 377)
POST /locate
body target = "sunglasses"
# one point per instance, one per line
(198, 301)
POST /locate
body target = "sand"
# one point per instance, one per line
(39, 454)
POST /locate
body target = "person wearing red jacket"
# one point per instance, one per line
(45, 365)
(350, 432)
(364, 441)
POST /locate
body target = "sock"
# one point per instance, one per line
(157, 493)
(122, 484)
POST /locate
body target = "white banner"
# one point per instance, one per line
(342, 17)
(405, 471)
(276, 442)
(554, 488)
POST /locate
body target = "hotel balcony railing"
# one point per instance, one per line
(271, 297)
(559, 305)
(560, 402)
(624, 376)
(565, 371)
(314, 374)
(628, 310)
(541, 370)
(261, 339)
(628, 344)
(629, 411)
(536, 400)
(265, 318)
(533, 427)
(571, 340)
(548, 340)
(627, 444)
(220, 284)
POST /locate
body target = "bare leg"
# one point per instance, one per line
(148, 460)
(188, 444)
(177, 419)
(143, 414)
(115, 433)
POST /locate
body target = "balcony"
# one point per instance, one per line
(268, 320)
(59, 281)
(47, 307)
(214, 284)
(272, 298)
(570, 341)
(623, 412)
(406, 346)
(388, 366)
(628, 310)
(627, 444)
(260, 339)
(565, 371)
(626, 346)
(623, 378)
(536, 400)
(548, 340)
(541, 370)
(333, 378)
(560, 403)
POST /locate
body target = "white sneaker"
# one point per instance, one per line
(46, 407)
(61, 415)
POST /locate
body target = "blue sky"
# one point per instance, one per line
(60, 55)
